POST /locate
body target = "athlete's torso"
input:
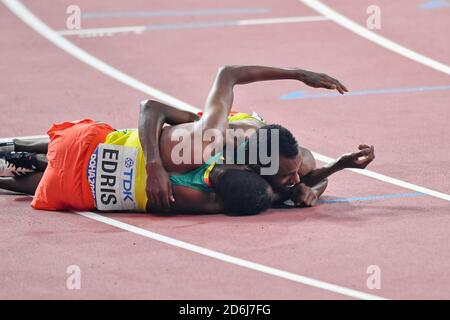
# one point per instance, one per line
(191, 147)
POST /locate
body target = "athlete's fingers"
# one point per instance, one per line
(314, 201)
(311, 198)
(158, 200)
(170, 191)
(155, 203)
(148, 191)
(363, 146)
(164, 200)
(307, 201)
(361, 159)
(165, 205)
(363, 162)
(370, 152)
(363, 153)
(302, 198)
(339, 86)
(343, 87)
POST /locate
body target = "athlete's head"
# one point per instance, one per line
(243, 192)
(276, 153)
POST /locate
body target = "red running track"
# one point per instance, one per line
(406, 236)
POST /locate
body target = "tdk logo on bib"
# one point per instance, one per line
(129, 162)
(128, 180)
(115, 177)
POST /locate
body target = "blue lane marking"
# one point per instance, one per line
(306, 95)
(179, 13)
(435, 4)
(387, 196)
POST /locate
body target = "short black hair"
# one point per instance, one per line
(287, 142)
(243, 192)
(262, 138)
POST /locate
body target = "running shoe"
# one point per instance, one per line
(14, 164)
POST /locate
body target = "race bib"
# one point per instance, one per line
(112, 175)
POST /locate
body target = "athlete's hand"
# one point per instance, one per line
(359, 159)
(158, 187)
(303, 195)
(321, 80)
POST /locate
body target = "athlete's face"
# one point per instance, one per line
(287, 175)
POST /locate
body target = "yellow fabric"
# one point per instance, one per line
(241, 116)
(130, 138)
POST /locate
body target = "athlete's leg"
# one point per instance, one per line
(26, 184)
(37, 145)
(40, 161)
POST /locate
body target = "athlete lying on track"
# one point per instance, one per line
(296, 177)
(93, 166)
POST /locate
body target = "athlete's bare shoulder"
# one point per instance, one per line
(308, 162)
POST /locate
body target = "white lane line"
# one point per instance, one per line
(30, 19)
(35, 23)
(233, 260)
(110, 31)
(101, 32)
(374, 37)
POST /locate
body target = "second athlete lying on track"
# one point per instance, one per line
(296, 177)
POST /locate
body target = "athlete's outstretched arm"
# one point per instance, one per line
(358, 160)
(153, 115)
(220, 98)
(314, 180)
(248, 74)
